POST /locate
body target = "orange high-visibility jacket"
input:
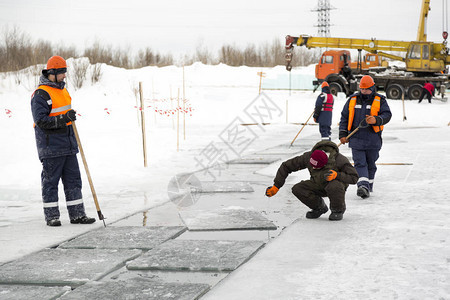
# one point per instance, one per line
(374, 110)
(61, 101)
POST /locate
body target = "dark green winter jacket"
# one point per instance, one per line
(346, 173)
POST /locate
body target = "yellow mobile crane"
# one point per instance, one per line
(425, 61)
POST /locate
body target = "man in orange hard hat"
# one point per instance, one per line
(323, 111)
(368, 111)
(56, 144)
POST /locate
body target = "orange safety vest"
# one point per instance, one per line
(61, 101)
(374, 110)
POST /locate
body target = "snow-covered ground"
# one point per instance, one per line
(394, 245)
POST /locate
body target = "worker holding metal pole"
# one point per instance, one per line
(56, 144)
(372, 108)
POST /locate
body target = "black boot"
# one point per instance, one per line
(82, 220)
(315, 213)
(363, 192)
(336, 216)
(54, 222)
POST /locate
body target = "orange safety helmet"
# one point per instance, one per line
(324, 84)
(366, 82)
(56, 62)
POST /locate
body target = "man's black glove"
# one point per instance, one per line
(69, 116)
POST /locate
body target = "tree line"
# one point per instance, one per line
(19, 51)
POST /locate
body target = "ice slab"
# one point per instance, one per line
(196, 255)
(64, 266)
(226, 219)
(23, 292)
(225, 187)
(255, 159)
(164, 215)
(128, 237)
(231, 172)
(208, 278)
(138, 288)
(287, 149)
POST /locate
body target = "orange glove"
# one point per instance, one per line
(330, 175)
(271, 191)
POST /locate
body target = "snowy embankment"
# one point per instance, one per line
(395, 244)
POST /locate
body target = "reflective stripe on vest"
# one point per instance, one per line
(374, 110)
(60, 100)
(328, 103)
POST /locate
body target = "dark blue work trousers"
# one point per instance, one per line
(65, 168)
(325, 131)
(365, 166)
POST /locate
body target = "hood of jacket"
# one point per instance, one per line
(328, 146)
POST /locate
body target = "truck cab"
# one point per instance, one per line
(370, 60)
(331, 62)
(419, 58)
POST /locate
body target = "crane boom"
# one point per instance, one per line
(422, 30)
(349, 43)
(427, 57)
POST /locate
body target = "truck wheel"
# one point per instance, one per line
(414, 91)
(336, 88)
(394, 91)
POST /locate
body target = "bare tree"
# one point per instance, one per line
(98, 54)
(96, 72)
(77, 72)
(17, 51)
(203, 55)
(148, 57)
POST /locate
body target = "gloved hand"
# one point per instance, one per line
(271, 191)
(330, 175)
(71, 115)
(66, 118)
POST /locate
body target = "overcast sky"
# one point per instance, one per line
(180, 26)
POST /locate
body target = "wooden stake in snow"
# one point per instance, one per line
(178, 120)
(184, 109)
(144, 143)
(171, 109)
(403, 102)
(261, 75)
(287, 110)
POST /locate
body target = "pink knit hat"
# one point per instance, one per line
(318, 159)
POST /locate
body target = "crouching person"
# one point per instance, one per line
(331, 174)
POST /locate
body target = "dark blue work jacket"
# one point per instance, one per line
(52, 139)
(365, 138)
